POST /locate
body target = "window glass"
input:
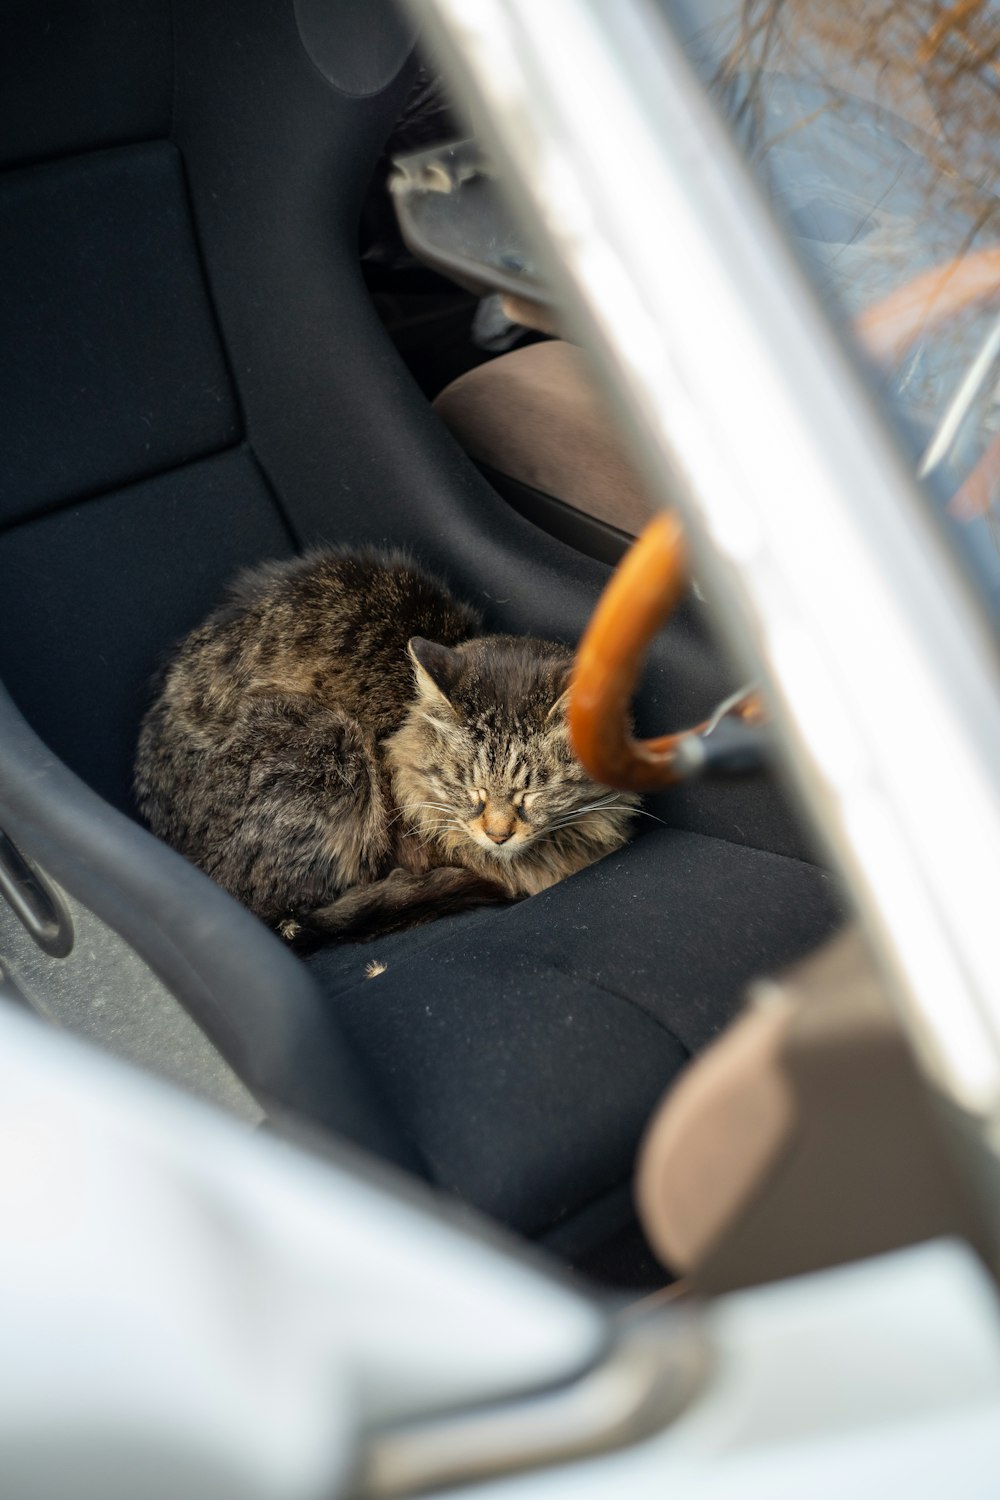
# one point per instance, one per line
(874, 130)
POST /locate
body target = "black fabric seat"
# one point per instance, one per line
(527, 1047)
(192, 379)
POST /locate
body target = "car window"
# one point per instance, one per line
(874, 132)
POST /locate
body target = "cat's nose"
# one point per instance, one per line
(499, 838)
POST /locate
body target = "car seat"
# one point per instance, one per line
(536, 425)
(194, 380)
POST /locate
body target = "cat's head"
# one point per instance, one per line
(484, 757)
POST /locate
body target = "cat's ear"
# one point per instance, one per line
(437, 667)
(561, 690)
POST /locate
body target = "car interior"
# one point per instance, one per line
(216, 353)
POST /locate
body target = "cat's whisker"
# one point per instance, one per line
(568, 827)
(642, 813)
(580, 812)
(452, 826)
(435, 829)
(548, 838)
(601, 802)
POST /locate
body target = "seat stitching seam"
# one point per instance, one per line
(605, 989)
(88, 497)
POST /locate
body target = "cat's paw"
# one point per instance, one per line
(298, 931)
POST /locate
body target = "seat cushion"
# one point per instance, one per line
(525, 1047)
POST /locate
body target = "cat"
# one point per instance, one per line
(342, 748)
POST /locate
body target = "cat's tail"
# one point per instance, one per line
(398, 901)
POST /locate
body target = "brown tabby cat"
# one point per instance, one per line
(340, 748)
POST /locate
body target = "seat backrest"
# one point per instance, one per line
(130, 488)
(179, 193)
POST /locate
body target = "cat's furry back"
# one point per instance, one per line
(340, 747)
